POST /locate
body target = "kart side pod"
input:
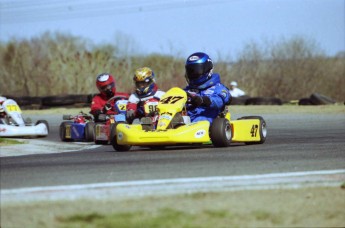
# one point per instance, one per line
(249, 130)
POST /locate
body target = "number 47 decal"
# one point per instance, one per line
(254, 130)
(171, 99)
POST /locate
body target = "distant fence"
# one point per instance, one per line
(84, 100)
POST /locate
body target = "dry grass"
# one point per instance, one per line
(306, 207)
(56, 64)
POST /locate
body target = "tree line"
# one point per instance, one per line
(60, 64)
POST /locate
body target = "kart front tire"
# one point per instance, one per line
(262, 129)
(62, 131)
(44, 122)
(220, 132)
(89, 131)
(113, 140)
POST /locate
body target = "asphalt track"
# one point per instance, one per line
(295, 143)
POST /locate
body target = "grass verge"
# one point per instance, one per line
(7, 142)
(305, 207)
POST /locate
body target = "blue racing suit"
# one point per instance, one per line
(218, 94)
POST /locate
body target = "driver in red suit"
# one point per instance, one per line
(106, 86)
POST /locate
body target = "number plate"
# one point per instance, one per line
(68, 131)
(13, 108)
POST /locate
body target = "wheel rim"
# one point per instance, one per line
(264, 130)
(228, 131)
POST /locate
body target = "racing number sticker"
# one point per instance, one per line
(254, 130)
(122, 107)
(153, 108)
(68, 132)
(171, 99)
(98, 131)
(150, 107)
(13, 108)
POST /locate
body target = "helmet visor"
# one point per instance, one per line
(142, 85)
(107, 88)
(194, 71)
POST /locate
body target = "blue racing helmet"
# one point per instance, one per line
(198, 68)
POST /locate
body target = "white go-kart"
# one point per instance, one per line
(12, 123)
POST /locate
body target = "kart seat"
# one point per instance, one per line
(147, 124)
(177, 121)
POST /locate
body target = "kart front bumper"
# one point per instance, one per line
(39, 130)
(193, 133)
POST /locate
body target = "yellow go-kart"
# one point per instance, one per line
(174, 127)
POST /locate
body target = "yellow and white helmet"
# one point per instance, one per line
(144, 81)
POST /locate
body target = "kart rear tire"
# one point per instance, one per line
(44, 122)
(262, 129)
(221, 132)
(101, 142)
(89, 132)
(113, 140)
(62, 131)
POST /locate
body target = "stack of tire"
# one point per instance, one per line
(316, 99)
(66, 100)
(80, 100)
(246, 100)
(77, 100)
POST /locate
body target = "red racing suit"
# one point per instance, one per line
(98, 104)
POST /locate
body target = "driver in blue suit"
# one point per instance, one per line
(208, 96)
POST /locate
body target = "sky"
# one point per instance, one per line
(220, 28)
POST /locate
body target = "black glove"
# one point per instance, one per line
(206, 101)
(95, 114)
(130, 115)
(106, 108)
(198, 101)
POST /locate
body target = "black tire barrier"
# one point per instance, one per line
(263, 101)
(52, 101)
(61, 100)
(239, 100)
(89, 98)
(305, 101)
(84, 100)
(79, 98)
(26, 100)
(319, 99)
